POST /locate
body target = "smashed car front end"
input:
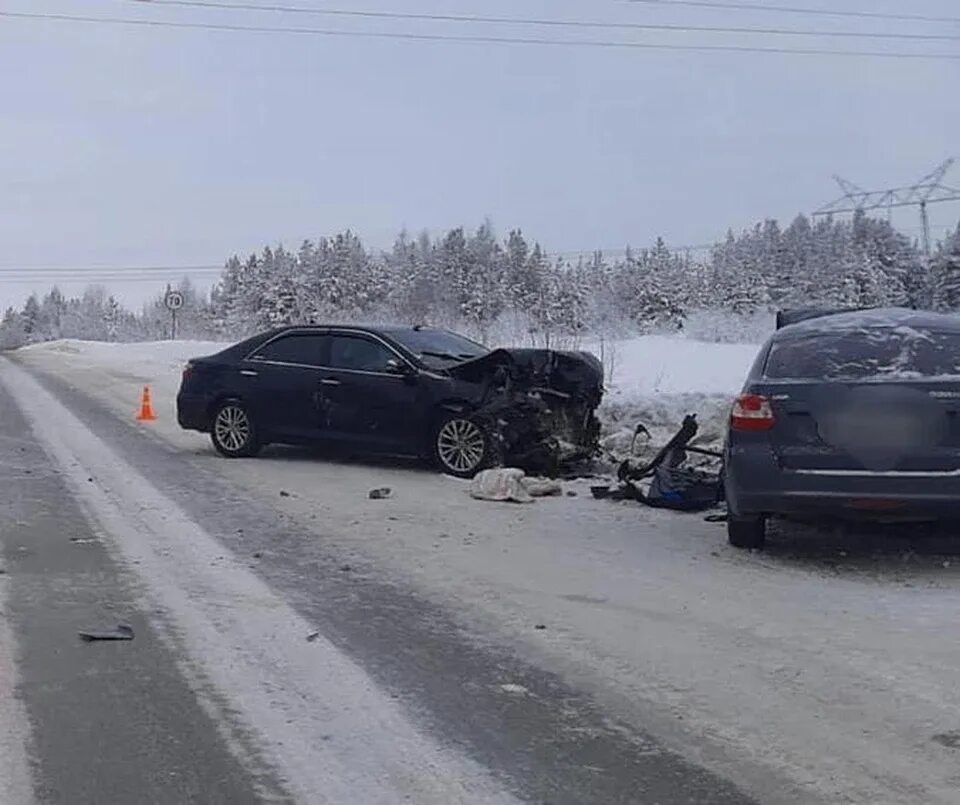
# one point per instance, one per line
(538, 406)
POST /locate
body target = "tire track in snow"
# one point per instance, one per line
(16, 784)
(316, 716)
(16, 787)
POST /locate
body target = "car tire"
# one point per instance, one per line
(459, 446)
(233, 432)
(749, 533)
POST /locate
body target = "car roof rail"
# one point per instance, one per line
(795, 315)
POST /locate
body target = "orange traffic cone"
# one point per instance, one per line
(146, 407)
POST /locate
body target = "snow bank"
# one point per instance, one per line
(655, 381)
(663, 365)
(144, 356)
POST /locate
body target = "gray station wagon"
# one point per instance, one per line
(848, 415)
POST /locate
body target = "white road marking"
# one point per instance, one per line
(321, 722)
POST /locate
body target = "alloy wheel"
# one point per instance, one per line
(461, 445)
(232, 428)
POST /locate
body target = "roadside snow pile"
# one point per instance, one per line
(149, 358)
(657, 380)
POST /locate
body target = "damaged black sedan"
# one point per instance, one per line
(397, 390)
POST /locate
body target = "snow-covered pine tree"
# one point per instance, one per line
(451, 262)
(31, 318)
(516, 254)
(409, 277)
(482, 283)
(51, 314)
(738, 283)
(946, 270)
(225, 296)
(279, 304)
(536, 297)
(791, 283)
(112, 317)
(12, 333)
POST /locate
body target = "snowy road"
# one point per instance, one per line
(670, 669)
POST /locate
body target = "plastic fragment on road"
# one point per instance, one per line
(510, 687)
(121, 632)
(382, 493)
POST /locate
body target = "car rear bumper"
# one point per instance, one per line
(192, 412)
(759, 486)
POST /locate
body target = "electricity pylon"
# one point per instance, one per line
(929, 190)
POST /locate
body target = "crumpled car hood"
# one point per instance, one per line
(578, 374)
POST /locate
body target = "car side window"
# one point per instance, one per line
(305, 349)
(359, 354)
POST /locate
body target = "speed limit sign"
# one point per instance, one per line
(173, 300)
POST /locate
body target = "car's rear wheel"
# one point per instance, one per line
(747, 532)
(460, 446)
(233, 433)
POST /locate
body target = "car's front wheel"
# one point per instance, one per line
(747, 532)
(460, 446)
(233, 432)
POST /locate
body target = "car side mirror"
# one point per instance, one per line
(397, 367)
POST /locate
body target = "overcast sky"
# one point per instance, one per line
(143, 147)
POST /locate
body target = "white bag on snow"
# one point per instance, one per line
(511, 484)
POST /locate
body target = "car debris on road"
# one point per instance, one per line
(121, 632)
(382, 493)
(671, 484)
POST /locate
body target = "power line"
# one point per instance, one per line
(147, 269)
(496, 40)
(11, 276)
(825, 12)
(557, 23)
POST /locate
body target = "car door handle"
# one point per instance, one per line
(329, 381)
(249, 373)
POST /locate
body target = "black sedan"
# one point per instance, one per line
(848, 415)
(396, 390)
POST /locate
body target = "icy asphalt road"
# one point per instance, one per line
(671, 669)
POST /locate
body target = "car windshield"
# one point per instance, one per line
(439, 348)
(865, 354)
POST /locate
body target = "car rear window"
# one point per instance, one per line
(868, 353)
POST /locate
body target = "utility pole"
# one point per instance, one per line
(928, 190)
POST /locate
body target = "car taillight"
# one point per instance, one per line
(752, 412)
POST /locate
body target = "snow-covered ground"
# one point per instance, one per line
(657, 380)
(820, 668)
